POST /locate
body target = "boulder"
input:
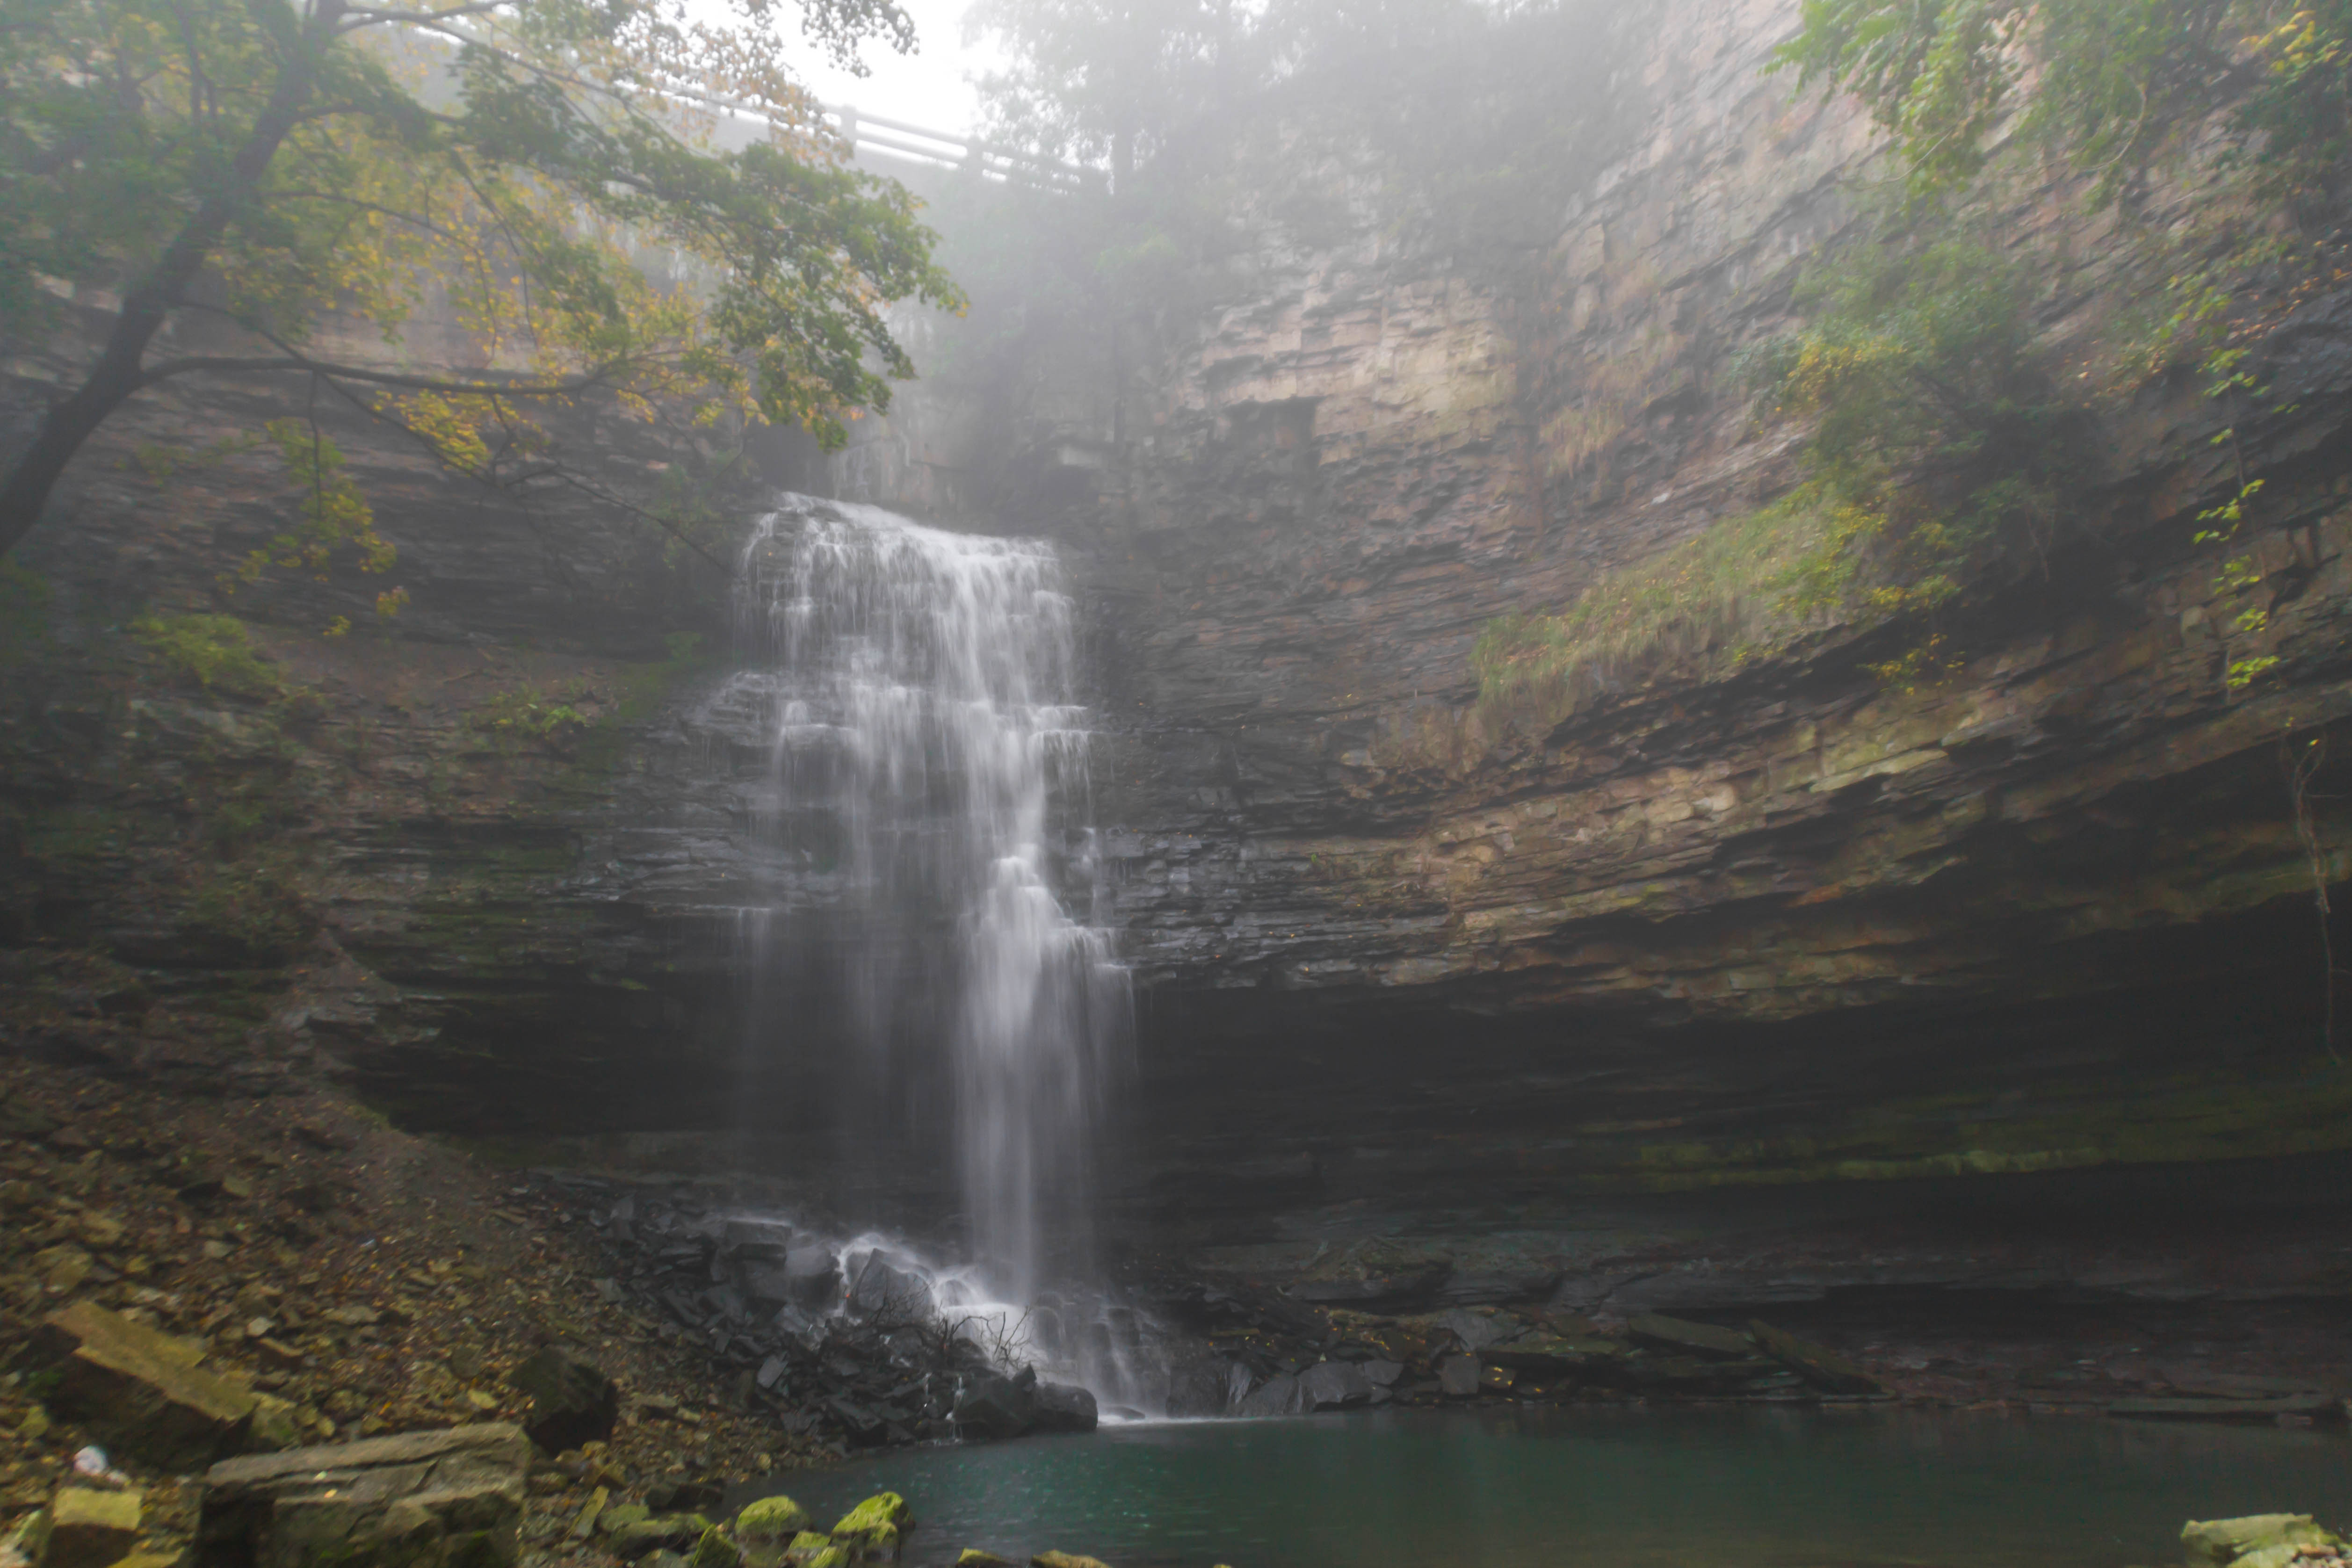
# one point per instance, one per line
(1334, 1385)
(1279, 1396)
(885, 1510)
(764, 1239)
(1553, 1355)
(873, 1529)
(1382, 1374)
(1066, 1559)
(1691, 1338)
(1821, 1367)
(892, 1294)
(715, 1551)
(90, 1528)
(994, 1407)
(1376, 1275)
(810, 1550)
(677, 1532)
(770, 1518)
(1477, 1330)
(2316, 1405)
(572, 1402)
(973, 1557)
(1060, 1408)
(139, 1390)
(451, 1499)
(1458, 1376)
(2222, 1541)
(813, 1274)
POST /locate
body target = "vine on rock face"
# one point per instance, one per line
(1940, 439)
(1939, 442)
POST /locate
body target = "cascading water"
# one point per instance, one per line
(928, 752)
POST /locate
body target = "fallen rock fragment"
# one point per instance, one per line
(451, 1499)
(1691, 1338)
(2317, 1406)
(140, 1391)
(1817, 1364)
(573, 1402)
(1335, 1385)
(1066, 1559)
(90, 1528)
(2223, 1542)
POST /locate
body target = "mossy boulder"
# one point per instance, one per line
(620, 1516)
(810, 1550)
(883, 1509)
(770, 1518)
(2257, 1540)
(715, 1551)
(680, 1533)
(872, 1529)
(973, 1557)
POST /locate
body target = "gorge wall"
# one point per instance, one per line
(1399, 951)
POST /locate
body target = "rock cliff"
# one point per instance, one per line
(1767, 921)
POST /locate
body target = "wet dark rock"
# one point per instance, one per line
(1817, 1364)
(2318, 1406)
(449, 1497)
(1458, 1376)
(1063, 1408)
(1477, 1330)
(139, 1390)
(573, 1401)
(888, 1293)
(1335, 1385)
(1693, 1338)
(1382, 1374)
(1280, 1396)
(1553, 1355)
(683, 1497)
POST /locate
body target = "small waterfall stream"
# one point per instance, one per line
(929, 749)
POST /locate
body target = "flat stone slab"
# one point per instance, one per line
(423, 1500)
(141, 1391)
(91, 1528)
(2314, 1404)
(1817, 1364)
(1700, 1339)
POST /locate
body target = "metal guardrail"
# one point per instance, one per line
(951, 150)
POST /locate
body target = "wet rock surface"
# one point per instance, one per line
(425, 1498)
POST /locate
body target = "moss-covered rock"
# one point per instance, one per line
(770, 1518)
(715, 1551)
(882, 1510)
(2275, 1538)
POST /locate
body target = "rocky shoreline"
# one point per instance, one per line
(198, 1279)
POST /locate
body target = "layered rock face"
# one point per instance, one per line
(1770, 923)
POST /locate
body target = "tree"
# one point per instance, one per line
(2104, 84)
(1109, 80)
(237, 169)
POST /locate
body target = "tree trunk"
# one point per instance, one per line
(147, 306)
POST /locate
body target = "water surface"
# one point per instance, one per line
(1537, 1489)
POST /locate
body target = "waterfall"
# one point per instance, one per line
(928, 749)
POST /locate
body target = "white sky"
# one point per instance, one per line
(931, 87)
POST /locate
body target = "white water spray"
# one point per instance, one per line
(923, 686)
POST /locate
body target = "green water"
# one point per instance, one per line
(1747, 1488)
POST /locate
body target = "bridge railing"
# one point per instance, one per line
(911, 143)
